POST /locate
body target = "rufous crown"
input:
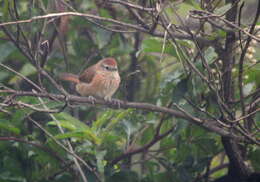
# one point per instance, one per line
(109, 61)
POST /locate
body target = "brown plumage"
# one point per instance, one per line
(69, 77)
(99, 80)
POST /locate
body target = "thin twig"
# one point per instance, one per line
(45, 149)
(125, 3)
(53, 15)
(123, 24)
(60, 144)
(35, 108)
(246, 116)
(211, 15)
(155, 139)
(241, 62)
(67, 141)
(22, 76)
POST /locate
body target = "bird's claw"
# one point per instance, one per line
(113, 102)
(92, 99)
(116, 102)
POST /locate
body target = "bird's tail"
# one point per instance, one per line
(69, 77)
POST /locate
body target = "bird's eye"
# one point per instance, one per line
(107, 67)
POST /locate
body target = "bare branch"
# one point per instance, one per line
(241, 63)
(67, 142)
(205, 123)
(54, 15)
(233, 25)
(45, 149)
(155, 139)
(61, 145)
(131, 5)
(123, 24)
(22, 76)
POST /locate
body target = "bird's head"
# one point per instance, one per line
(109, 64)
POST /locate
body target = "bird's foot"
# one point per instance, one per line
(92, 99)
(113, 101)
(107, 99)
(117, 103)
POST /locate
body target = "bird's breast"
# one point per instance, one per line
(110, 84)
(103, 85)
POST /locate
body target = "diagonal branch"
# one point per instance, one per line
(155, 139)
(37, 145)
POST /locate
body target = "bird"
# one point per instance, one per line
(100, 80)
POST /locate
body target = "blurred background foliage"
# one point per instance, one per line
(152, 69)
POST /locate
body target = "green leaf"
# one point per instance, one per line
(103, 37)
(129, 128)
(3, 76)
(184, 174)
(223, 9)
(155, 45)
(63, 123)
(194, 4)
(180, 90)
(7, 126)
(18, 116)
(5, 50)
(26, 70)
(9, 177)
(100, 161)
(5, 9)
(255, 159)
(126, 176)
(118, 118)
(184, 9)
(210, 55)
(70, 121)
(80, 134)
(117, 46)
(147, 135)
(253, 75)
(78, 129)
(12, 165)
(103, 119)
(247, 89)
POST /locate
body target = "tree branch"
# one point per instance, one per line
(110, 20)
(209, 125)
(155, 139)
(131, 5)
(43, 148)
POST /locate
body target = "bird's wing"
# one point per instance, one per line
(88, 75)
